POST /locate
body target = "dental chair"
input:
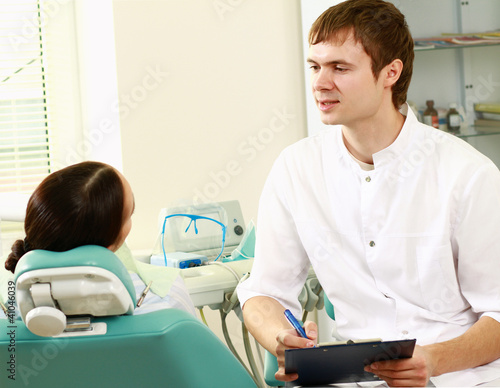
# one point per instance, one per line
(78, 330)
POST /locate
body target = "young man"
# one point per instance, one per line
(398, 220)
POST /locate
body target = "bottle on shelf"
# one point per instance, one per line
(431, 115)
(453, 119)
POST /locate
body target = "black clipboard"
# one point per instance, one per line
(342, 363)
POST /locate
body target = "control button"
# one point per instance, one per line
(372, 243)
(238, 230)
(405, 332)
(368, 179)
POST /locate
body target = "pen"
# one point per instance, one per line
(296, 325)
(5, 311)
(143, 295)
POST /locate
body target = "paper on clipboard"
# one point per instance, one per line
(342, 363)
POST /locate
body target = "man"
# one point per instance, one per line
(399, 221)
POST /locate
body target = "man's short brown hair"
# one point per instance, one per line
(381, 29)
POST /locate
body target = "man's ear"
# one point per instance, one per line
(392, 72)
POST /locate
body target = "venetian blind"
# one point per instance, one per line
(25, 134)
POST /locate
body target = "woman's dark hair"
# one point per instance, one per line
(78, 205)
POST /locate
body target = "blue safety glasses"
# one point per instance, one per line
(193, 233)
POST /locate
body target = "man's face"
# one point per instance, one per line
(343, 85)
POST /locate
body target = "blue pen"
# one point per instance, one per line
(296, 325)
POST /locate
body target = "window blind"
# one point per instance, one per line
(25, 134)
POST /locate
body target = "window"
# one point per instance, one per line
(25, 133)
(57, 74)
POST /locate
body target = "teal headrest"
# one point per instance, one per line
(87, 255)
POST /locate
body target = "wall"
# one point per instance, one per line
(310, 11)
(210, 93)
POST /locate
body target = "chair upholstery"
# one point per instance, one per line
(165, 348)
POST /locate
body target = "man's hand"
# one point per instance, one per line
(289, 339)
(405, 372)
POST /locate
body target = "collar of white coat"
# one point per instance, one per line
(398, 148)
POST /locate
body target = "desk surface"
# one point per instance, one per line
(207, 284)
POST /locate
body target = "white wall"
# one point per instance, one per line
(210, 92)
(100, 138)
(310, 11)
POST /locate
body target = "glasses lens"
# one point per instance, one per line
(191, 234)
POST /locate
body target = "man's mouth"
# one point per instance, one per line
(327, 104)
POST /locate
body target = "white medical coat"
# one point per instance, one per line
(408, 250)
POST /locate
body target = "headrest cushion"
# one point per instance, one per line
(87, 255)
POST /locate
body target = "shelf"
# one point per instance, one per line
(479, 131)
(454, 46)
(475, 131)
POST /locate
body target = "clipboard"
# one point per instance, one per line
(342, 363)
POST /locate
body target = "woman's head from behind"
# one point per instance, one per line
(83, 204)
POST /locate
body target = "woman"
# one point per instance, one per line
(89, 203)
